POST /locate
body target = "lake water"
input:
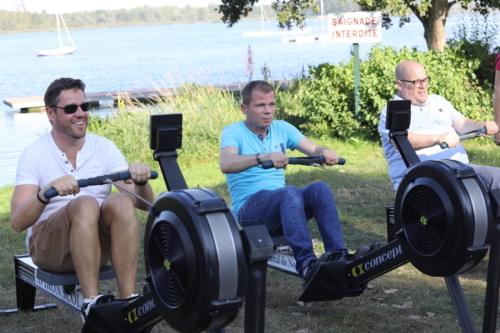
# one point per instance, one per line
(145, 56)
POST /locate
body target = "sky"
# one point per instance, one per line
(68, 6)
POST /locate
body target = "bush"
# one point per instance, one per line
(476, 40)
(327, 97)
(321, 105)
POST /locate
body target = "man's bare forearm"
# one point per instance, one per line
(238, 163)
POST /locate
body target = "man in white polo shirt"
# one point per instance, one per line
(81, 229)
(433, 121)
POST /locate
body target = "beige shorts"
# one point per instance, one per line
(49, 246)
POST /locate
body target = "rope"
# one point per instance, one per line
(487, 137)
(108, 181)
(351, 178)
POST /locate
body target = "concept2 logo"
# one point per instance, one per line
(367, 265)
(140, 311)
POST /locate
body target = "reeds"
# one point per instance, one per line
(205, 111)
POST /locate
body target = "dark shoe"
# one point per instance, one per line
(361, 251)
(314, 266)
(87, 303)
(373, 247)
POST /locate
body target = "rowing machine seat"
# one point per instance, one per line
(105, 273)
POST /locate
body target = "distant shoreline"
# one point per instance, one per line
(136, 24)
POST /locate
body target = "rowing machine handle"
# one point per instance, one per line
(470, 135)
(302, 161)
(124, 175)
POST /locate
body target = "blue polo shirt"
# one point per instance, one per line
(281, 135)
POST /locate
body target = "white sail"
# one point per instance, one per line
(62, 50)
(263, 17)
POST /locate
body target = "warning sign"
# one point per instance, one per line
(355, 27)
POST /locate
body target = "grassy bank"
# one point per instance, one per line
(362, 212)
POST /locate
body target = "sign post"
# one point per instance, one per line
(356, 81)
(355, 27)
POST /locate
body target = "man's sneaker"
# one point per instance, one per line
(130, 298)
(88, 302)
(373, 247)
(361, 251)
(314, 266)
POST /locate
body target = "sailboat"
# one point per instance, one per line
(62, 50)
(302, 31)
(307, 39)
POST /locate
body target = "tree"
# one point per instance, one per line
(290, 12)
(431, 13)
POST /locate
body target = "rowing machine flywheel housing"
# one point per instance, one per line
(194, 260)
(443, 217)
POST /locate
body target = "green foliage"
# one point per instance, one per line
(476, 40)
(431, 13)
(335, 6)
(129, 131)
(338, 6)
(288, 105)
(327, 103)
(205, 112)
(327, 98)
(5, 198)
(289, 12)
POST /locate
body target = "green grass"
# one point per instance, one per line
(362, 212)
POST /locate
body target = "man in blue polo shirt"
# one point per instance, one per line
(261, 196)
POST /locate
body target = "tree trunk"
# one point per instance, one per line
(434, 22)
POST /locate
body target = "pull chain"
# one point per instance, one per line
(108, 181)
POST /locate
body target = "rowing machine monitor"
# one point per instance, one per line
(398, 115)
(165, 132)
(165, 138)
(398, 122)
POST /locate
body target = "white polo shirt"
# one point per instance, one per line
(42, 161)
(436, 116)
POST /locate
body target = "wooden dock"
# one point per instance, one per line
(35, 103)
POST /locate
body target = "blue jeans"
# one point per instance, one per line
(287, 211)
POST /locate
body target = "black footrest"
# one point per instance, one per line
(329, 283)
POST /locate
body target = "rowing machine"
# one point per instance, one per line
(61, 286)
(196, 262)
(444, 219)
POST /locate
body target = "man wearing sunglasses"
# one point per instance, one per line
(81, 229)
(433, 121)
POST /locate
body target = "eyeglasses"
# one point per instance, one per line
(70, 109)
(417, 83)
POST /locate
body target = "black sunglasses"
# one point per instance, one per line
(69, 109)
